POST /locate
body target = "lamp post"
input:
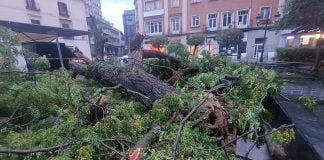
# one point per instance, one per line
(265, 21)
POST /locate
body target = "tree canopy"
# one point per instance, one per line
(229, 37)
(159, 41)
(195, 40)
(301, 13)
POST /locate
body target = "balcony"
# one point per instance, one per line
(152, 13)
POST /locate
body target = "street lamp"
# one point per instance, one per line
(265, 21)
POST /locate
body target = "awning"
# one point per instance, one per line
(39, 33)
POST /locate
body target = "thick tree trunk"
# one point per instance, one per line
(160, 55)
(128, 77)
(181, 74)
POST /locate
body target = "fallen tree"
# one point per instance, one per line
(129, 78)
(180, 74)
(160, 55)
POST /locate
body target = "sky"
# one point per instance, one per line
(112, 10)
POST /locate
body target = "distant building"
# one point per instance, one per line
(116, 42)
(129, 26)
(93, 8)
(178, 18)
(44, 20)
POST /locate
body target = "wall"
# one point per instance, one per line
(48, 14)
(272, 42)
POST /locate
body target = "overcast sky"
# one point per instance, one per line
(113, 10)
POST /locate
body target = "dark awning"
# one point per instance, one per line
(40, 29)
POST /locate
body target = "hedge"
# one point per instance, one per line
(304, 54)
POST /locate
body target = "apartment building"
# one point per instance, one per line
(93, 8)
(116, 42)
(129, 26)
(178, 18)
(41, 21)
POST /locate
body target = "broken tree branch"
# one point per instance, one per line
(146, 140)
(160, 55)
(194, 109)
(113, 149)
(180, 74)
(35, 150)
(143, 99)
(249, 132)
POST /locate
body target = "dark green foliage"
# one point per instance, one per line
(172, 103)
(8, 51)
(162, 73)
(34, 62)
(194, 145)
(301, 13)
(229, 37)
(244, 99)
(41, 98)
(305, 54)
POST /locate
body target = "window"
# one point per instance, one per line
(152, 5)
(212, 19)
(227, 19)
(243, 17)
(195, 1)
(149, 5)
(175, 25)
(63, 11)
(155, 27)
(31, 5)
(35, 21)
(157, 4)
(258, 50)
(175, 3)
(65, 25)
(265, 13)
(195, 21)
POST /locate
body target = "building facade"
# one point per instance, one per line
(178, 18)
(116, 41)
(129, 26)
(93, 8)
(68, 14)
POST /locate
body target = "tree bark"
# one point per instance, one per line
(129, 77)
(146, 140)
(181, 74)
(160, 55)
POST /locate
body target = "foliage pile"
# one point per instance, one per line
(40, 111)
(8, 51)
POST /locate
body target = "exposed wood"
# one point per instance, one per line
(146, 140)
(98, 110)
(194, 109)
(180, 74)
(79, 69)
